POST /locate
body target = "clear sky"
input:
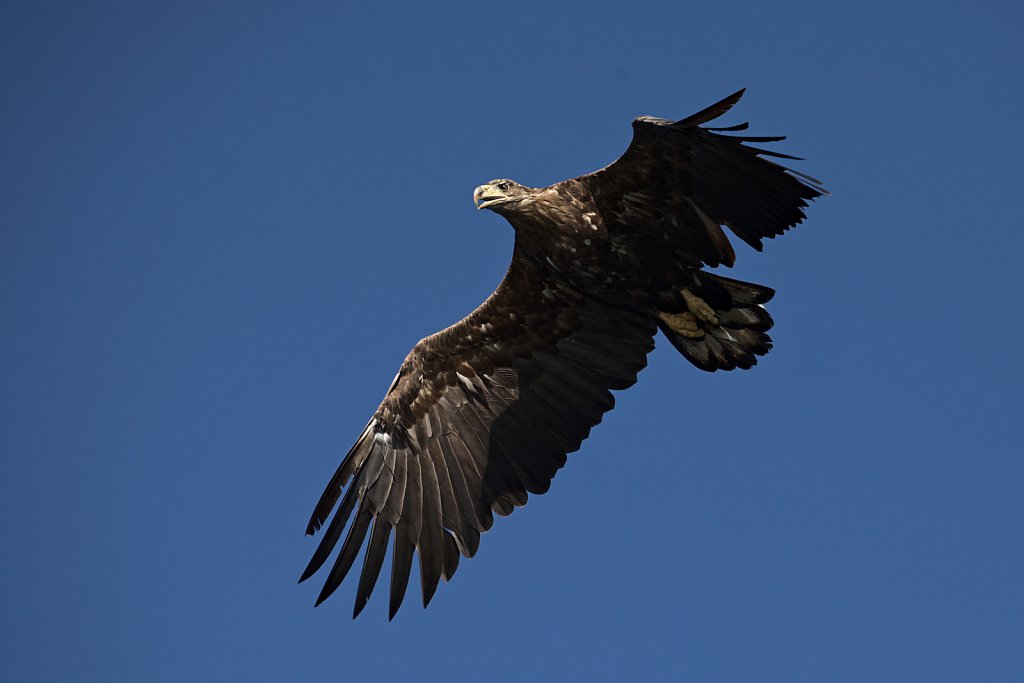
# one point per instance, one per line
(221, 229)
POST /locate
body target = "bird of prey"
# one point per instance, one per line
(483, 413)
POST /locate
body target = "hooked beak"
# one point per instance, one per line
(485, 196)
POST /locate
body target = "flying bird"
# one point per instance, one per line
(483, 413)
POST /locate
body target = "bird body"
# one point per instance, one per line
(483, 413)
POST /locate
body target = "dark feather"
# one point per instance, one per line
(738, 126)
(401, 567)
(341, 476)
(712, 112)
(331, 536)
(353, 542)
(479, 495)
(452, 517)
(499, 474)
(451, 557)
(430, 546)
(472, 526)
(375, 552)
(407, 534)
(392, 510)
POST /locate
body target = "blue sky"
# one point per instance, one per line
(221, 229)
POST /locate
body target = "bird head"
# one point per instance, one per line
(501, 195)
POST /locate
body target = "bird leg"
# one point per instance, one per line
(699, 308)
(683, 324)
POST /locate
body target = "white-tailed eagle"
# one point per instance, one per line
(482, 414)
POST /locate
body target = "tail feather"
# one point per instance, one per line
(723, 325)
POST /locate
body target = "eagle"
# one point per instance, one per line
(484, 413)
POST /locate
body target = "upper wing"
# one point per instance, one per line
(479, 415)
(678, 183)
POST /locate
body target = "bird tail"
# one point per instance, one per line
(720, 324)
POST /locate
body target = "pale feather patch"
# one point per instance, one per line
(465, 381)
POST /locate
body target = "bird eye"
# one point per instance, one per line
(503, 187)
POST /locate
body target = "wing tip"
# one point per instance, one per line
(712, 112)
(429, 591)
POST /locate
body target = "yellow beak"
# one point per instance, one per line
(485, 196)
(478, 194)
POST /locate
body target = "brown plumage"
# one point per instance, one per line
(482, 414)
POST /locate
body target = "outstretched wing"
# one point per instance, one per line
(678, 183)
(479, 416)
